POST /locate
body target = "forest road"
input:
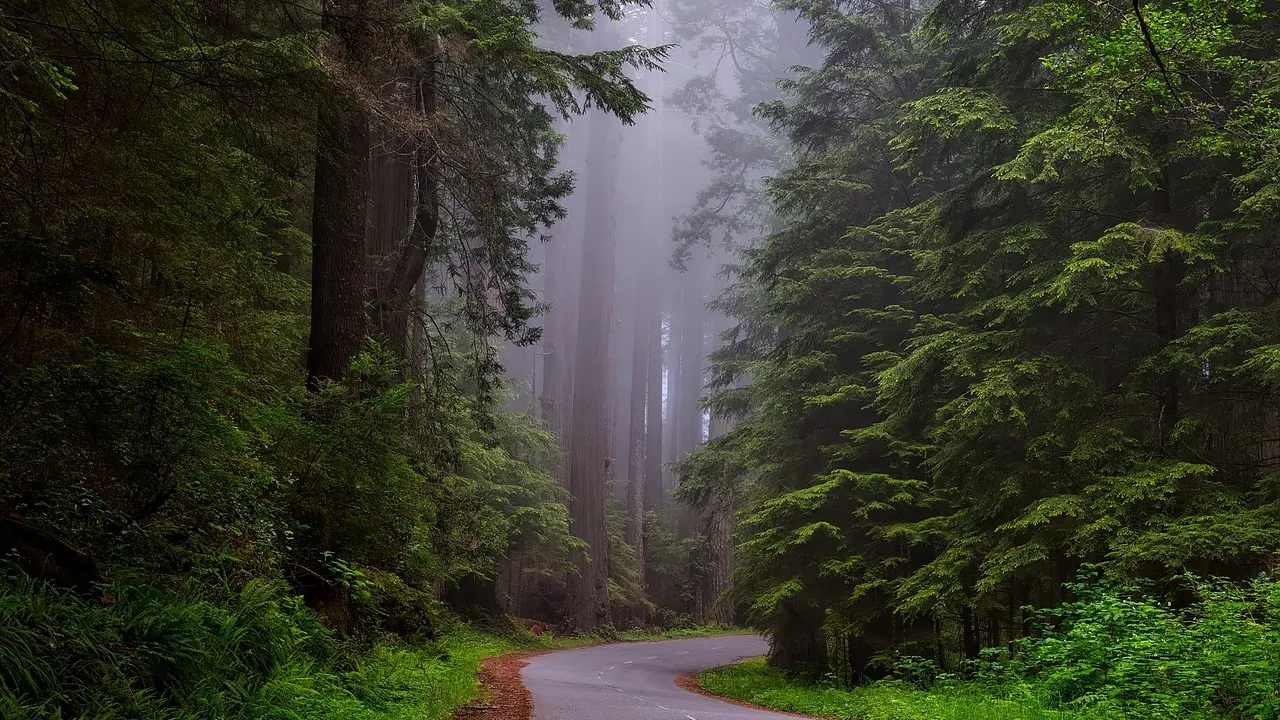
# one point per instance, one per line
(636, 681)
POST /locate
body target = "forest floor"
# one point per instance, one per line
(755, 683)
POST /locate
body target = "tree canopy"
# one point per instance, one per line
(1016, 320)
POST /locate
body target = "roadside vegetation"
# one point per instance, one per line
(259, 260)
(150, 655)
(145, 654)
(1005, 367)
(757, 683)
(1114, 652)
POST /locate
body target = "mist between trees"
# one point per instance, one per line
(868, 323)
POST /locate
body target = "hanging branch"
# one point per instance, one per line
(1151, 45)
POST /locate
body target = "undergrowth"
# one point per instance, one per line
(1121, 652)
(139, 652)
(682, 633)
(756, 682)
(144, 653)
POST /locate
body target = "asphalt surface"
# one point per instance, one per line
(636, 681)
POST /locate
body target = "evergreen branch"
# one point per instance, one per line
(1151, 45)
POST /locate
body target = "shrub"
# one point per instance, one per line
(1137, 655)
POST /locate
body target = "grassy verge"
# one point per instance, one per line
(755, 682)
(431, 683)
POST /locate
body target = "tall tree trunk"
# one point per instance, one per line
(622, 371)
(676, 380)
(341, 201)
(654, 496)
(588, 600)
(560, 289)
(692, 354)
(404, 265)
(391, 204)
(636, 470)
(1167, 289)
(645, 388)
(718, 527)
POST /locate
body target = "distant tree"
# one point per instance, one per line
(589, 458)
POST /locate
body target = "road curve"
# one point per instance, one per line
(636, 681)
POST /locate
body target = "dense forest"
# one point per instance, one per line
(922, 336)
(1010, 325)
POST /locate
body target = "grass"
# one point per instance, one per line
(755, 682)
(431, 683)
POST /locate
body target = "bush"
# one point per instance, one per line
(143, 652)
(1134, 654)
(140, 652)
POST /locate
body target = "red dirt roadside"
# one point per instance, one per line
(690, 683)
(502, 695)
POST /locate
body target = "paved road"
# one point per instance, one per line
(636, 681)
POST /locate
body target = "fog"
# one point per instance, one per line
(660, 215)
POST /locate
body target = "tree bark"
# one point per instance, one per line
(692, 353)
(404, 264)
(391, 206)
(654, 496)
(588, 596)
(636, 469)
(560, 289)
(1167, 288)
(719, 531)
(341, 204)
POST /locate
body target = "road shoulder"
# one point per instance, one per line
(503, 695)
(689, 683)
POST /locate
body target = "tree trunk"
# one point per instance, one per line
(970, 633)
(1167, 288)
(588, 601)
(403, 267)
(649, 311)
(391, 204)
(692, 354)
(719, 531)
(636, 469)
(560, 289)
(654, 496)
(622, 373)
(341, 204)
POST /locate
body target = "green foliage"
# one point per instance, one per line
(159, 450)
(755, 682)
(1132, 655)
(1010, 322)
(143, 652)
(666, 570)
